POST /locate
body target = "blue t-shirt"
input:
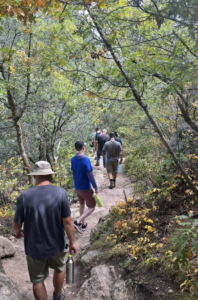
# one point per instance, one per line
(80, 167)
(41, 209)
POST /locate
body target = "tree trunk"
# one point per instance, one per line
(187, 118)
(22, 149)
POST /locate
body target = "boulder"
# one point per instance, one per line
(89, 257)
(1, 267)
(8, 290)
(6, 248)
(119, 290)
(103, 284)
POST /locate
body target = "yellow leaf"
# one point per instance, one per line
(149, 221)
(174, 259)
(149, 228)
(159, 246)
(189, 253)
(12, 69)
(169, 253)
(184, 283)
(151, 245)
(129, 200)
(124, 225)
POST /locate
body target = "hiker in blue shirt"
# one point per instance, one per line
(83, 178)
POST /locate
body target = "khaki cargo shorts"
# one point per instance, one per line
(112, 167)
(39, 269)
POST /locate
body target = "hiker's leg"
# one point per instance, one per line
(38, 272)
(90, 203)
(115, 170)
(82, 209)
(58, 280)
(105, 161)
(110, 176)
(110, 171)
(81, 199)
(39, 291)
(98, 157)
(85, 215)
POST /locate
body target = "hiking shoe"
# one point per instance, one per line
(111, 184)
(83, 227)
(78, 227)
(61, 296)
(96, 165)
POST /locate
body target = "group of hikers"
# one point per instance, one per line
(43, 212)
(110, 147)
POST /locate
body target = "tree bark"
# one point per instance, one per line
(21, 146)
(185, 113)
(17, 125)
(144, 107)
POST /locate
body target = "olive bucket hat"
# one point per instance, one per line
(42, 168)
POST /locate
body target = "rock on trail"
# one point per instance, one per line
(16, 267)
(6, 248)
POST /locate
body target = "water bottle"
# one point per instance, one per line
(70, 269)
(119, 168)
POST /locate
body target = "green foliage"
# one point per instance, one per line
(185, 239)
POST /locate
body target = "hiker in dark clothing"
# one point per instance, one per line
(96, 141)
(114, 151)
(102, 139)
(117, 139)
(45, 212)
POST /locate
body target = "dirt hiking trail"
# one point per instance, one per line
(16, 267)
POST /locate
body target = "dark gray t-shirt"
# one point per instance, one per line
(113, 150)
(41, 209)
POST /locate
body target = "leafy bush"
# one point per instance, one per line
(185, 240)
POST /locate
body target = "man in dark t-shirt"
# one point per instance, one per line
(45, 212)
(102, 139)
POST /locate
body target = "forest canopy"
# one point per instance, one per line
(67, 66)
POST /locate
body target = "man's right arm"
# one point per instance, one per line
(69, 229)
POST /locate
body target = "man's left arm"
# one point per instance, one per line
(121, 154)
